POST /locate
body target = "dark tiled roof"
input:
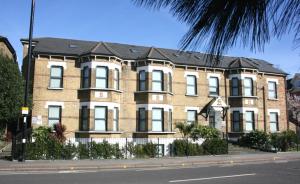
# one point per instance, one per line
(133, 52)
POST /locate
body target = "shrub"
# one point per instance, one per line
(184, 148)
(286, 140)
(83, 151)
(215, 146)
(255, 139)
(150, 150)
(205, 132)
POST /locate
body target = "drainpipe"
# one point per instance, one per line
(264, 106)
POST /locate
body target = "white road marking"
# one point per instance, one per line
(210, 178)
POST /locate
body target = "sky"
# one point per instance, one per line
(122, 22)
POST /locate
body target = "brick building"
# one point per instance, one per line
(100, 89)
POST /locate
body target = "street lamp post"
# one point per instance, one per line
(25, 108)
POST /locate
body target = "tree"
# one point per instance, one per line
(185, 129)
(11, 92)
(221, 24)
(294, 109)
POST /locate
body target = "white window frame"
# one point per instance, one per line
(102, 78)
(194, 85)
(54, 118)
(101, 119)
(158, 124)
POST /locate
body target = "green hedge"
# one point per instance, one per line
(283, 141)
(213, 146)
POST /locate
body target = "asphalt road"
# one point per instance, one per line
(278, 172)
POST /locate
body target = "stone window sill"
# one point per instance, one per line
(191, 95)
(101, 89)
(50, 88)
(243, 97)
(100, 132)
(273, 99)
(152, 132)
(159, 92)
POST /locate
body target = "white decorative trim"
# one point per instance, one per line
(166, 107)
(150, 68)
(92, 105)
(244, 109)
(94, 64)
(242, 76)
(186, 73)
(49, 103)
(214, 75)
(192, 109)
(274, 110)
(272, 80)
(57, 63)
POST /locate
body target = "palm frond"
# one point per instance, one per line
(221, 24)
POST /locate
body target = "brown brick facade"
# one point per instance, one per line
(71, 97)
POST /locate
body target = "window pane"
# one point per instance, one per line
(213, 81)
(170, 121)
(85, 83)
(84, 125)
(213, 89)
(248, 82)
(142, 114)
(271, 85)
(100, 113)
(56, 71)
(156, 86)
(101, 72)
(235, 91)
(235, 82)
(190, 90)
(101, 83)
(249, 116)
(170, 82)
(157, 119)
(157, 114)
(236, 116)
(156, 125)
(191, 80)
(157, 75)
(142, 85)
(142, 75)
(142, 125)
(100, 125)
(142, 122)
(273, 127)
(55, 83)
(273, 117)
(191, 116)
(248, 92)
(51, 123)
(249, 121)
(54, 112)
(86, 72)
(272, 94)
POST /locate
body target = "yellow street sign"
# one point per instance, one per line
(25, 110)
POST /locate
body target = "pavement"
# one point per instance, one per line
(165, 162)
(275, 172)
